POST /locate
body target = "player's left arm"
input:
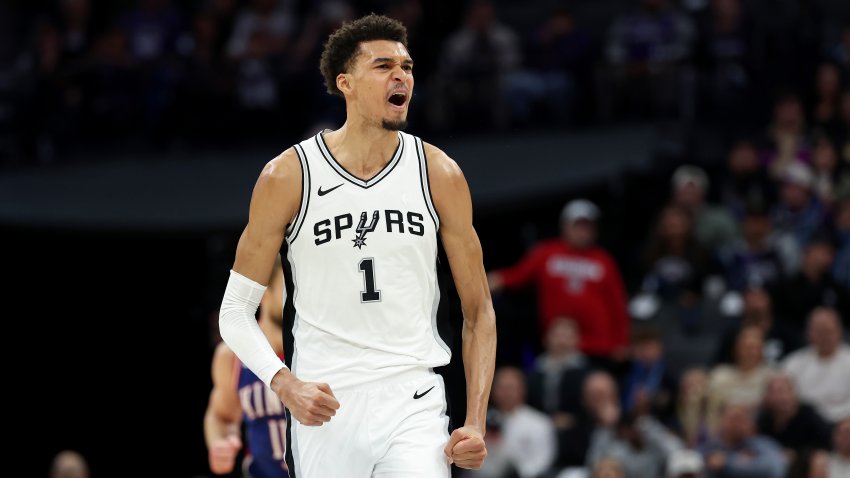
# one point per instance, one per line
(454, 206)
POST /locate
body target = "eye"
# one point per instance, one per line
(407, 68)
(383, 66)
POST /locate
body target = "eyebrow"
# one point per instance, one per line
(406, 61)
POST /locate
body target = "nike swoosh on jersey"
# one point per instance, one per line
(417, 395)
(322, 193)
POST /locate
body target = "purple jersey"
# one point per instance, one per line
(265, 426)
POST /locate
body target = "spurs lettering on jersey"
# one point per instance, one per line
(397, 222)
(361, 258)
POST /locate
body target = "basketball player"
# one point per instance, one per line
(355, 214)
(238, 393)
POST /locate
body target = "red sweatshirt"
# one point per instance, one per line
(582, 284)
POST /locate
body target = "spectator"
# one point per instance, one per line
(675, 264)
(799, 214)
(640, 444)
(555, 381)
(813, 286)
(837, 463)
(796, 426)
(69, 464)
(270, 20)
(691, 416)
(644, 49)
(608, 468)
(827, 105)
(713, 226)
(648, 386)
(577, 279)
(756, 259)
(152, 30)
(559, 57)
(599, 399)
(841, 269)
(746, 182)
(786, 135)
(758, 312)
(476, 60)
(685, 464)
(77, 28)
(724, 52)
(825, 170)
(821, 371)
(737, 452)
(742, 383)
(526, 439)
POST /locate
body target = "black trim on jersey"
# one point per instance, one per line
(425, 182)
(288, 455)
(340, 169)
(305, 194)
(289, 314)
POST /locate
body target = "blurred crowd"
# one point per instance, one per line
(141, 75)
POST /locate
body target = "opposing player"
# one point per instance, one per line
(237, 393)
(355, 214)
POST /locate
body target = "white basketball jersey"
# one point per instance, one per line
(360, 268)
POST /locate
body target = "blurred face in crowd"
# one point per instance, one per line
(825, 159)
(756, 228)
(648, 351)
(828, 81)
(508, 389)
(689, 195)
(608, 468)
(841, 438)
(675, 224)
(743, 159)
(480, 16)
(693, 384)
(749, 348)
(379, 84)
(757, 308)
(824, 331)
(562, 337)
(794, 196)
(788, 114)
(580, 233)
(781, 395)
(736, 424)
(817, 259)
(599, 389)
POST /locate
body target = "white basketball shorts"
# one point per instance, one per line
(389, 429)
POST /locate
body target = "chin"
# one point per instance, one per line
(394, 125)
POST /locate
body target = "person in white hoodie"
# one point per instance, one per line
(821, 371)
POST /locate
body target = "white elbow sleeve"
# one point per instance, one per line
(240, 330)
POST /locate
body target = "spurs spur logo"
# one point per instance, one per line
(360, 240)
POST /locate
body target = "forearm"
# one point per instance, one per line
(479, 361)
(217, 429)
(240, 330)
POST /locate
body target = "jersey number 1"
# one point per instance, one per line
(367, 266)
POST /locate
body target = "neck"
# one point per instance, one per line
(273, 332)
(826, 353)
(362, 148)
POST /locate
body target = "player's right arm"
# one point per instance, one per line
(274, 205)
(224, 414)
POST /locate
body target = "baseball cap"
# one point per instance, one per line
(682, 462)
(798, 174)
(579, 209)
(688, 174)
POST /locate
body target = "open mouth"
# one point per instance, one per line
(398, 99)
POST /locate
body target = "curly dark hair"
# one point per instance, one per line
(343, 45)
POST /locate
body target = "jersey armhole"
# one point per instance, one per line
(294, 228)
(425, 183)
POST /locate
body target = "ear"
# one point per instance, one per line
(343, 83)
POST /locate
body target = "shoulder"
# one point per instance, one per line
(284, 168)
(441, 168)
(795, 359)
